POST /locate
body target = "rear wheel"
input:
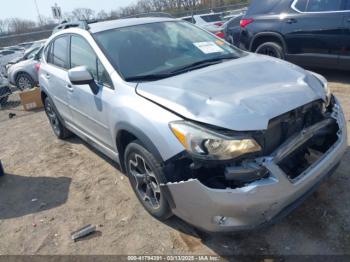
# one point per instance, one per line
(58, 128)
(24, 81)
(145, 176)
(271, 49)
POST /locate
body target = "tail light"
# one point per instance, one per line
(37, 67)
(245, 22)
(220, 34)
(219, 23)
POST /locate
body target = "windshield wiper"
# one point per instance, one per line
(151, 77)
(187, 68)
(201, 64)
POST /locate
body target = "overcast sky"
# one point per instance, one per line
(26, 8)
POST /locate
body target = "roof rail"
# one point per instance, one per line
(150, 14)
(65, 25)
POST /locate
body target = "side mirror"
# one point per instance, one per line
(81, 76)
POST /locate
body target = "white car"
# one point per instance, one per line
(211, 22)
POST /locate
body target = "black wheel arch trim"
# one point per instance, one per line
(272, 34)
(140, 135)
(147, 142)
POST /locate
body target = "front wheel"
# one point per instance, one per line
(271, 49)
(145, 176)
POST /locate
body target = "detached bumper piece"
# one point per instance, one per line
(268, 186)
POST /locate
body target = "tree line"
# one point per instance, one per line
(175, 7)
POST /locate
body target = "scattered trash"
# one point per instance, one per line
(34, 199)
(2, 172)
(34, 225)
(83, 232)
(12, 115)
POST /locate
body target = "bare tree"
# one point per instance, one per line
(18, 25)
(44, 21)
(3, 26)
(102, 15)
(83, 14)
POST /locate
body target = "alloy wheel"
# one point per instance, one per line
(145, 181)
(24, 83)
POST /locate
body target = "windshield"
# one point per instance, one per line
(162, 48)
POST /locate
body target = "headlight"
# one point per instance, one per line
(206, 144)
(324, 83)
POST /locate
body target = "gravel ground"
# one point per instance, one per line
(54, 187)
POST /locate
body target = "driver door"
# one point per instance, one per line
(90, 112)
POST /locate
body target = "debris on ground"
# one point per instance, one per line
(12, 115)
(83, 232)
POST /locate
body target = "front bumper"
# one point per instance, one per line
(257, 203)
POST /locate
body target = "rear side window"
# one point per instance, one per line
(82, 54)
(58, 52)
(300, 5)
(347, 5)
(189, 19)
(265, 7)
(313, 6)
(235, 21)
(211, 18)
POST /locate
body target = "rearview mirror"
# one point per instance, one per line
(81, 76)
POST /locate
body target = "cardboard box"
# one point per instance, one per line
(31, 99)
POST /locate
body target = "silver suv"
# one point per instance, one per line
(222, 138)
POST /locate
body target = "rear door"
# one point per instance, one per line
(90, 112)
(345, 55)
(55, 74)
(312, 31)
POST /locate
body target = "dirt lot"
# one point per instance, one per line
(54, 187)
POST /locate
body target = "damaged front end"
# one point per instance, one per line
(298, 150)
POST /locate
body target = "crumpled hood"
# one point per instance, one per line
(242, 94)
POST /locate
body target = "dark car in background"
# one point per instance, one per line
(313, 33)
(232, 30)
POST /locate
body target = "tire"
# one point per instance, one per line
(58, 128)
(139, 161)
(3, 100)
(4, 95)
(271, 49)
(24, 81)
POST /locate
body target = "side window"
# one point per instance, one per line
(347, 5)
(312, 6)
(59, 52)
(83, 55)
(47, 53)
(300, 5)
(103, 76)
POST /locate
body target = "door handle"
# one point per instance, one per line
(291, 21)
